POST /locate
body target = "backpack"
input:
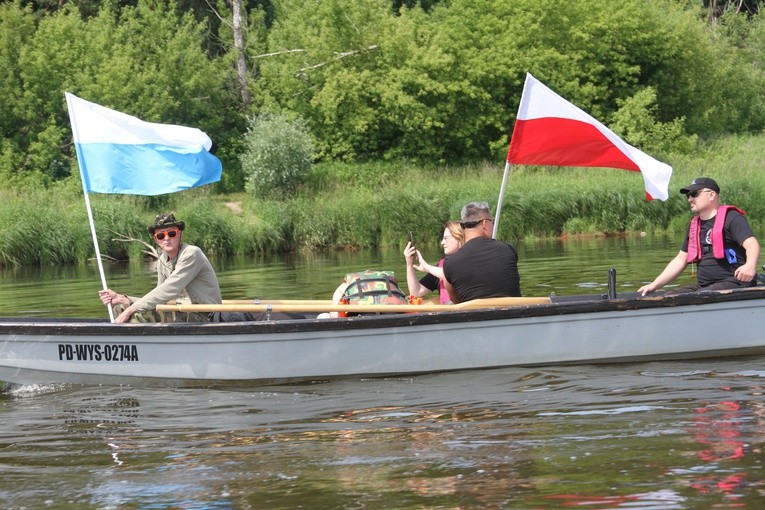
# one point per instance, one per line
(373, 287)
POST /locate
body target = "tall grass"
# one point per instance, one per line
(38, 228)
(344, 206)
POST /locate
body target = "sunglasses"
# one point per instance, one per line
(169, 233)
(473, 224)
(694, 194)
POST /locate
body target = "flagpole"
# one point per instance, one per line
(501, 198)
(87, 207)
(98, 251)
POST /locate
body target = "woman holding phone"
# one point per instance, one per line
(452, 241)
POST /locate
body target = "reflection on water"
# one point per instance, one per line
(571, 267)
(653, 435)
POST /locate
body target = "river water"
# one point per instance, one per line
(674, 435)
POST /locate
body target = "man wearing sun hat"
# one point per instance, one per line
(719, 240)
(184, 275)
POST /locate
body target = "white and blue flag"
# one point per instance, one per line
(119, 153)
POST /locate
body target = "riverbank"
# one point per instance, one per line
(352, 206)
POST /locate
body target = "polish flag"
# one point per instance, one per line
(551, 131)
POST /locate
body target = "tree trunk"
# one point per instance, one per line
(241, 54)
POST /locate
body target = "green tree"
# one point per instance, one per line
(374, 83)
(146, 60)
(17, 27)
(718, 8)
(277, 157)
(635, 121)
(430, 81)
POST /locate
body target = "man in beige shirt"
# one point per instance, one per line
(184, 275)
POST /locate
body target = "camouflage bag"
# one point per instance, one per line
(373, 287)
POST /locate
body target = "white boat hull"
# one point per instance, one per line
(91, 352)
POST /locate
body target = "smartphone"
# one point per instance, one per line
(411, 238)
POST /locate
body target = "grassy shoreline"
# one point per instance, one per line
(347, 206)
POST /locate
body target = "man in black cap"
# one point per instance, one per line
(719, 240)
(184, 275)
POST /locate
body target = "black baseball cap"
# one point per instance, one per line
(701, 183)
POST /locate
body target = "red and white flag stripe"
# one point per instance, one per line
(551, 131)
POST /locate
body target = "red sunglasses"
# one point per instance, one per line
(170, 233)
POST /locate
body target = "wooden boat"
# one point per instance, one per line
(517, 331)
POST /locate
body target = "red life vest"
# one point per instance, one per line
(694, 241)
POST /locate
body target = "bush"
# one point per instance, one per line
(636, 122)
(277, 157)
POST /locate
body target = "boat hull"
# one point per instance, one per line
(592, 330)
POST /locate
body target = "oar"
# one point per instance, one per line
(276, 301)
(325, 307)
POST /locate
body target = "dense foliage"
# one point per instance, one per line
(400, 104)
(428, 81)
(145, 60)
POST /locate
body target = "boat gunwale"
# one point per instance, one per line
(565, 305)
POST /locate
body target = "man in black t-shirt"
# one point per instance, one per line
(719, 240)
(483, 267)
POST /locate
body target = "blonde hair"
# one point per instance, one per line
(456, 230)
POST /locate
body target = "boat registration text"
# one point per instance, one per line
(97, 352)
